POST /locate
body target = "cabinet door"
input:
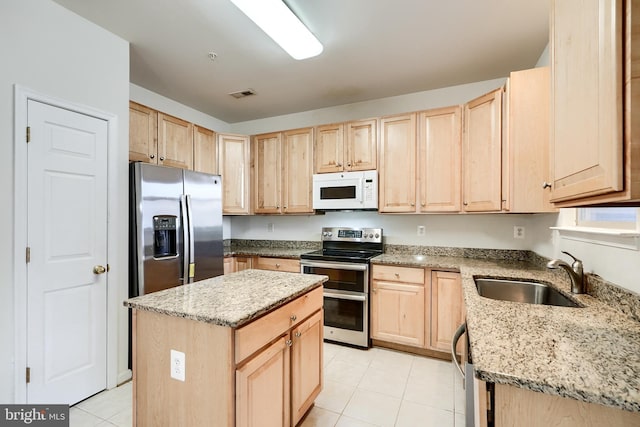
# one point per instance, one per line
(446, 309)
(362, 145)
(205, 150)
(398, 164)
(175, 142)
(306, 365)
(277, 264)
(587, 75)
(525, 149)
(397, 313)
(143, 133)
(262, 388)
(329, 148)
(229, 265)
(234, 168)
(267, 173)
(440, 142)
(298, 171)
(243, 263)
(481, 153)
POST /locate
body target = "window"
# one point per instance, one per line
(608, 218)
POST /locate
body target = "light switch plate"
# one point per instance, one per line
(178, 366)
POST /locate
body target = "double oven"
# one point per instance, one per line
(345, 258)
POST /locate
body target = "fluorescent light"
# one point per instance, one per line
(279, 22)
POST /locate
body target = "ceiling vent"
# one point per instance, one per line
(243, 93)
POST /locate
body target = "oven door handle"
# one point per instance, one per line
(345, 296)
(336, 265)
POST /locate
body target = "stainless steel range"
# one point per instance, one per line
(344, 257)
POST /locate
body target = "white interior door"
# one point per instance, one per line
(67, 237)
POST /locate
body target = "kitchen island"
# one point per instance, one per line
(239, 349)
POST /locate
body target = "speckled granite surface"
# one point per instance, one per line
(270, 248)
(230, 300)
(590, 353)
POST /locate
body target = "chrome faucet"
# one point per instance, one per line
(575, 270)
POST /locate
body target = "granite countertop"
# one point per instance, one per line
(231, 300)
(591, 353)
(291, 253)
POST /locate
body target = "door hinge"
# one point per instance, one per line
(28, 134)
(28, 255)
(28, 375)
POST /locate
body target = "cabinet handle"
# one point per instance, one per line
(413, 204)
(162, 158)
(339, 165)
(546, 185)
(423, 204)
(349, 164)
(277, 265)
(374, 290)
(298, 334)
(293, 317)
(397, 275)
(289, 343)
(465, 203)
(152, 156)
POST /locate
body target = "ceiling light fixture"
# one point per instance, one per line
(279, 22)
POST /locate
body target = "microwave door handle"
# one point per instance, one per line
(184, 217)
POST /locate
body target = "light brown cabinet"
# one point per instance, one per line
(282, 172)
(439, 159)
(235, 171)
(143, 133)
(351, 146)
(526, 141)
(446, 311)
(175, 142)
(205, 150)
(397, 182)
(398, 305)
(276, 264)
(482, 153)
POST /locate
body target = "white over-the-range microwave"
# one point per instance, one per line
(346, 190)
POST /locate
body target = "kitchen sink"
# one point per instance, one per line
(522, 291)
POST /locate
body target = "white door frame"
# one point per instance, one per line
(21, 96)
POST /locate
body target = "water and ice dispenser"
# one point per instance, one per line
(164, 236)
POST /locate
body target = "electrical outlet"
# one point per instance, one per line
(270, 227)
(178, 366)
(421, 230)
(518, 232)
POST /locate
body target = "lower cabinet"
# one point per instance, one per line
(415, 307)
(306, 365)
(398, 305)
(277, 264)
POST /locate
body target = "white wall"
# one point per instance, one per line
(53, 51)
(166, 105)
(375, 108)
(464, 231)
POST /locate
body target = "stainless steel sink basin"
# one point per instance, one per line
(522, 291)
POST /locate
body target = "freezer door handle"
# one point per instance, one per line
(185, 239)
(192, 264)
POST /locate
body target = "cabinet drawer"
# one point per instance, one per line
(398, 274)
(262, 331)
(278, 264)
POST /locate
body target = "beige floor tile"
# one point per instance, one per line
(345, 421)
(459, 420)
(372, 407)
(80, 418)
(385, 382)
(123, 419)
(335, 396)
(356, 356)
(393, 361)
(429, 393)
(108, 403)
(432, 371)
(319, 417)
(344, 372)
(414, 415)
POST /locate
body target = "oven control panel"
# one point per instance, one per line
(348, 234)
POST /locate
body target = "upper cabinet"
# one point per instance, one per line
(482, 153)
(439, 159)
(205, 150)
(158, 138)
(525, 160)
(282, 172)
(397, 184)
(594, 80)
(349, 146)
(235, 171)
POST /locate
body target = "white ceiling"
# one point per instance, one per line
(372, 49)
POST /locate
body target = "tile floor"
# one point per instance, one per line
(377, 387)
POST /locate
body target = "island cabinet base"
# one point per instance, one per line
(517, 407)
(206, 397)
(265, 373)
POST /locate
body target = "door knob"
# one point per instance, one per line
(98, 269)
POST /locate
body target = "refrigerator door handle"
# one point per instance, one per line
(185, 239)
(191, 258)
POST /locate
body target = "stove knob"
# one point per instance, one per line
(371, 236)
(377, 235)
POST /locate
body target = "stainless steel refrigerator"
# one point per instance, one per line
(175, 227)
